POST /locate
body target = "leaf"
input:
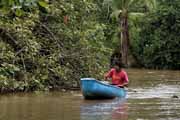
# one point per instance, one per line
(19, 12)
(136, 14)
(43, 4)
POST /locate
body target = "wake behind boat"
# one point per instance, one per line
(94, 89)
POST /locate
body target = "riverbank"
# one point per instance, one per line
(29, 86)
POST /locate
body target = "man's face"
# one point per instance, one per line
(117, 68)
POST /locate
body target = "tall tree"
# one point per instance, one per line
(124, 10)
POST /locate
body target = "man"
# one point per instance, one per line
(118, 75)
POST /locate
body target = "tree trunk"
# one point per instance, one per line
(124, 38)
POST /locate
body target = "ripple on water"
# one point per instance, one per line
(159, 91)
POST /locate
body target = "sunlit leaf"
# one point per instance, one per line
(18, 12)
(43, 4)
(116, 14)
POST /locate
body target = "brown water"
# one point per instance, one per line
(150, 97)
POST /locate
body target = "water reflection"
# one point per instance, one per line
(50, 106)
(104, 110)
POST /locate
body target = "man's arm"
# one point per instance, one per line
(108, 74)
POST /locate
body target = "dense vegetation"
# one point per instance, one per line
(52, 44)
(124, 11)
(156, 44)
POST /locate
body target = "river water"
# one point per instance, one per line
(152, 95)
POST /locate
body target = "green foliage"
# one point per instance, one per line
(8, 69)
(52, 44)
(20, 7)
(157, 43)
(123, 11)
(53, 48)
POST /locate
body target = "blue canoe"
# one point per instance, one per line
(94, 89)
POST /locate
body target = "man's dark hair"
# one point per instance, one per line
(119, 64)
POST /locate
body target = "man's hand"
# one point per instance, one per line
(105, 78)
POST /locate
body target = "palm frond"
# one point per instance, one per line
(150, 5)
(135, 15)
(116, 4)
(131, 2)
(116, 14)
